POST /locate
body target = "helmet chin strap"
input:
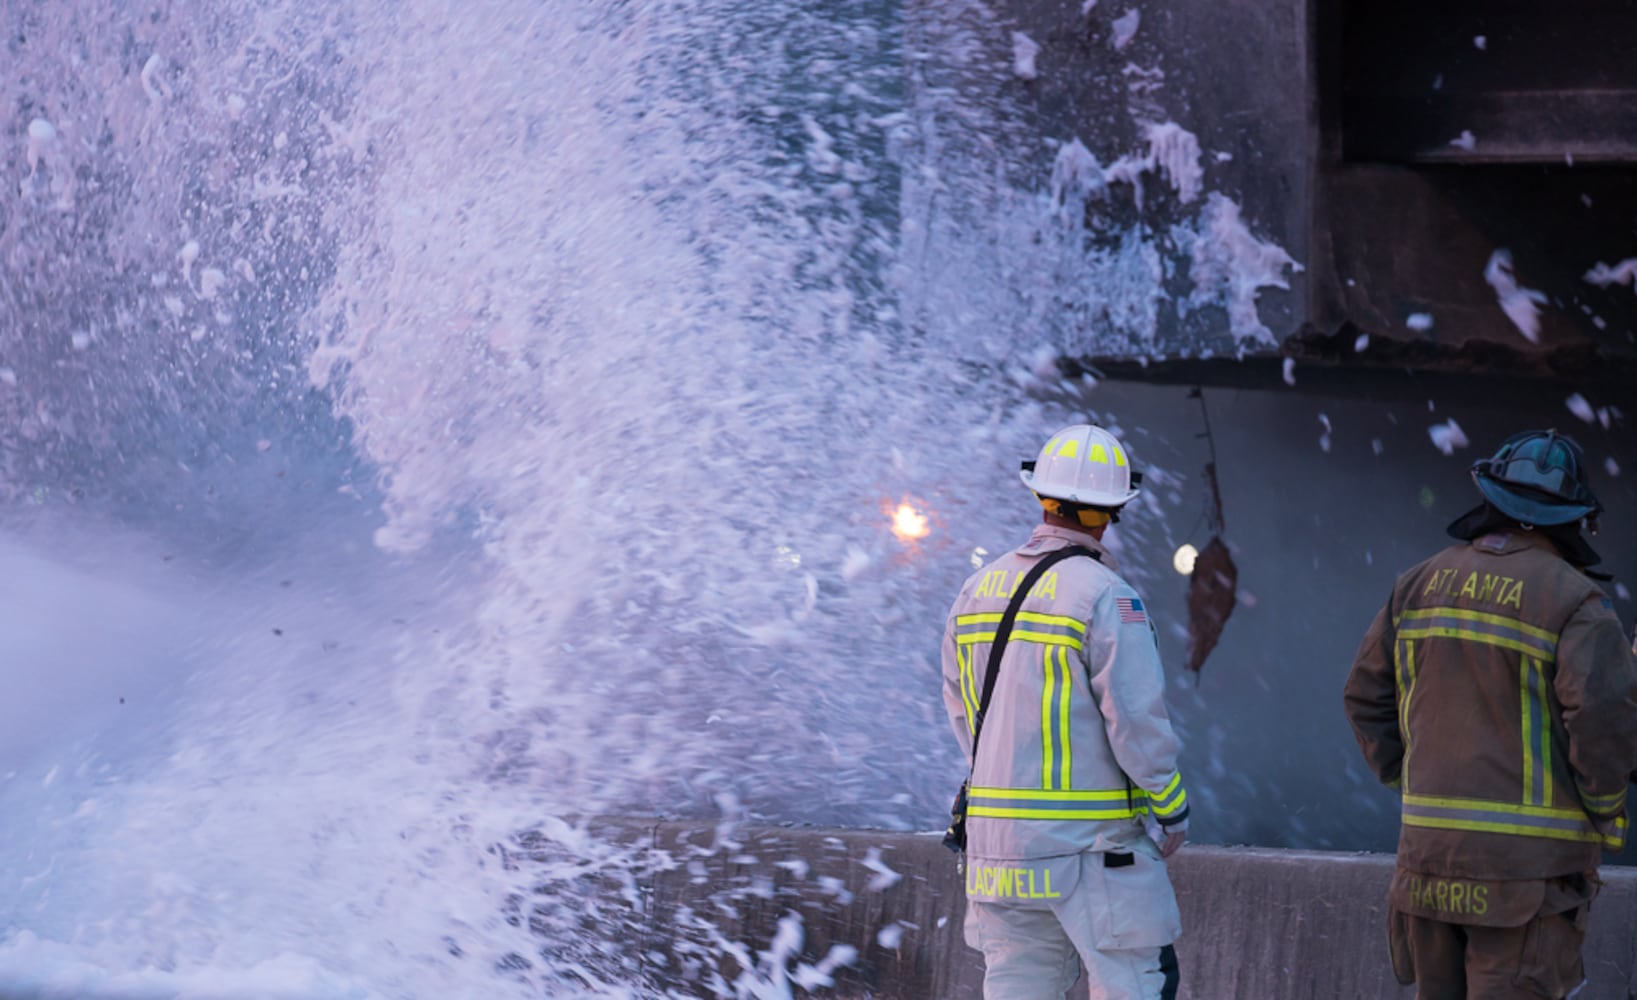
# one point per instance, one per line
(1089, 517)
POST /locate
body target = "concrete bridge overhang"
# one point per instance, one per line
(1392, 149)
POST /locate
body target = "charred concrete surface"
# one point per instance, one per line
(1404, 154)
(776, 912)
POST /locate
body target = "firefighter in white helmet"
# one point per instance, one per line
(1075, 799)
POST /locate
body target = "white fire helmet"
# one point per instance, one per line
(1084, 464)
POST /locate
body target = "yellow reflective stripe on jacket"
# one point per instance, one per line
(1523, 628)
(1172, 800)
(1537, 648)
(1537, 734)
(1404, 661)
(1605, 803)
(1056, 803)
(1057, 634)
(1049, 630)
(1478, 626)
(1057, 758)
(969, 688)
(1505, 817)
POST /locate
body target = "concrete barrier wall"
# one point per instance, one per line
(777, 912)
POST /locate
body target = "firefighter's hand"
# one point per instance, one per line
(1173, 842)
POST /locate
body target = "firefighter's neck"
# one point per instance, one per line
(1073, 524)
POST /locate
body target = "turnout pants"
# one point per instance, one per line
(1541, 957)
(1118, 920)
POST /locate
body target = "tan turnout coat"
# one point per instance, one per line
(1498, 692)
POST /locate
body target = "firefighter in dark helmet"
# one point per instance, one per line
(1497, 693)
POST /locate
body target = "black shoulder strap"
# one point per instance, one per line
(1004, 630)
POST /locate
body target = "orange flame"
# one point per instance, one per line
(909, 524)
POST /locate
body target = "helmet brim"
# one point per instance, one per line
(1086, 498)
(1527, 509)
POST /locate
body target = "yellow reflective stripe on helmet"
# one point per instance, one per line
(1119, 455)
(1483, 816)
(1097, 454)
(1068, 447)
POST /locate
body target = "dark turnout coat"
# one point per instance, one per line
(1497, 691)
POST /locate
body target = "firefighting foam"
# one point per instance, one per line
(499, 442)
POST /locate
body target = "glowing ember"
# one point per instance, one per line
(909, 524)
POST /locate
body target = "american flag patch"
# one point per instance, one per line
(1131, 611)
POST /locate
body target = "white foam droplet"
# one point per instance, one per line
(151, 83)
(1125, 27)
(1447, 436)
(210, 281)
(1521, 305)
(1024, 51)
